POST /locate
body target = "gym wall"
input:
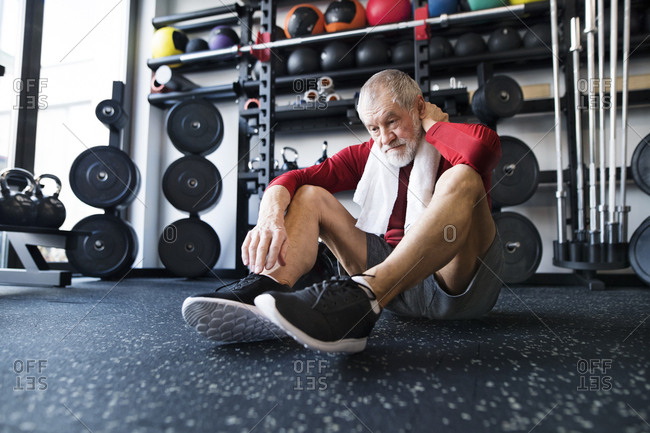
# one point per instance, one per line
(153, 151)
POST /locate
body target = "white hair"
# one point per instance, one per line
(402, 89)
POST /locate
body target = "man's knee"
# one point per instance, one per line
(461, 181)
(310, 195)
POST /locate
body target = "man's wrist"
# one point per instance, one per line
(427, 124)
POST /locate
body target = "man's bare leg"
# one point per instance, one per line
(315, 213)
(453, 232)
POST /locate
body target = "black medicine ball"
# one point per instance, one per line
(440, 47)
(469, 44)
(537, 36)
(403, 52)
(336, 55)
(303, 60)
(504, 39)
(372, 52)
(195, 45)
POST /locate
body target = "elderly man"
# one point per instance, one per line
(424, 245)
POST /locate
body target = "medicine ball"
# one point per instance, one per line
(440, 47)
(403, 52)
(222, 37)
(195, 45)
(344, 15)
(521, 2)
(504, 39)
(304, 20)
(439, 7)
(372, 52)
(303, 60)
(277, 34)
(537, 36)
(336, 55)
(476, 5)
(386, 11)
(469, 44)
(168, 41)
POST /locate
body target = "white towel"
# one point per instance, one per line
(377, 190)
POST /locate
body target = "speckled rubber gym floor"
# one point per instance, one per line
(105, 357)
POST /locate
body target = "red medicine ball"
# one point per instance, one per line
(304, 20)
(344, 15)
(386, 11)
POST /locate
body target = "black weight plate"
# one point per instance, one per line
(195, 126)
(516, 176)
(189, 248)
(104, 177)
(639, 251)
(192, 184)
(499, 97)
(111, 113)
(522, 246)
(109, 251)
(641, 164)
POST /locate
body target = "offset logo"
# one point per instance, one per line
(593, 374)
(32, 102)
(310, 375)
(29, 374)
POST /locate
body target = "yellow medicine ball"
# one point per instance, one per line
(168, 41)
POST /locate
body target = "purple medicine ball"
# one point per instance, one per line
(222, 37)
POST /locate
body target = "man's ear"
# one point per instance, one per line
(421, 106)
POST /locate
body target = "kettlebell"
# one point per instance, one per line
(289, 165)
(255, 164)
(17, 207)
(324, 155)
(51, 211)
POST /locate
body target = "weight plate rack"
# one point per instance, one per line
(105, 177)
(189, 247)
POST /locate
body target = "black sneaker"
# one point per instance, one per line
(230, 316)
(336, 315)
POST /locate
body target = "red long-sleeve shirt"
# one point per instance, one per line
(458, 143)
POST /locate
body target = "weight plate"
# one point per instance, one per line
(192, 184)
(195, 126)
(104, 177)
(639, 251)
(189, 248)
(499, 97)
(522, 246)
(503, 95)
(111, 113)
(109, 251)
(641, 164)
(516, 176)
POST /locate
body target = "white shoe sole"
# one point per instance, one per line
(228, 321)
(266, 304)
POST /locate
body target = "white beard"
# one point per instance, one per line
(406, 155)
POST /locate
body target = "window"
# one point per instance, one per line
(84, 51)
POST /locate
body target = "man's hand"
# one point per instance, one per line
(430, 114)
(267, 243)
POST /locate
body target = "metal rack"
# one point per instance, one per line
(258, 126)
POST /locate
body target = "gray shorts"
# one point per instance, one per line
(428, 300)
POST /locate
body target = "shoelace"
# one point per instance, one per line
(340, 283)
(239, 283)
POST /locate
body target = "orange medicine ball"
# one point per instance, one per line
(304, 20)
(344, 15)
